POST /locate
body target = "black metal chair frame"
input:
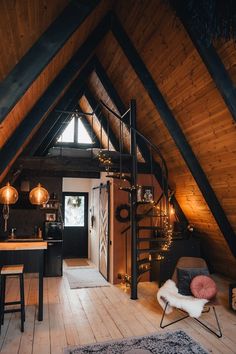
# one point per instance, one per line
(217, 333)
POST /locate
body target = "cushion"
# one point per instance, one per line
(203, 287)
(185, 275)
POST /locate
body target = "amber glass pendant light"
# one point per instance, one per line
(38, 195)
(8, 195)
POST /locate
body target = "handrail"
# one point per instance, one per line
(140, 134)
(145, 214)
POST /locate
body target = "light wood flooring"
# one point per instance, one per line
(81, 316)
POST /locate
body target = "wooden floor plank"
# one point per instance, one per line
(82, 316)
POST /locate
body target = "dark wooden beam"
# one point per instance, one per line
(114, 96)
(41, 53)
(51, 95)
(104, 122)
(176, 133)
(62, 173)
(212, 61)
(69, 164)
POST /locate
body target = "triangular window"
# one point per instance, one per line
(68, 133)
(83, 135)
(75, 132)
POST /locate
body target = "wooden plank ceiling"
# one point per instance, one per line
(178, 70)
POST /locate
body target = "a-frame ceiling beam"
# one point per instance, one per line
(51, 95)
(175, 131)
(103, 120)
(114, 96)
(212, 62)
(50, 127)
(41, 53)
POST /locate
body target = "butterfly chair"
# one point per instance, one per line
(196, 266)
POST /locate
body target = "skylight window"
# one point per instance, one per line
(75, 132)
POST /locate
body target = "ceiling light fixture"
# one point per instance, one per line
(38, 195)
(8, 195)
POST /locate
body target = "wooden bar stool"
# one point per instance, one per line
(12, 270)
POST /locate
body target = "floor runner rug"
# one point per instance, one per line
(163, 343)
(85, 278)
(76, 262)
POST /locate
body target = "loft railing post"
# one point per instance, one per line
(133, 151)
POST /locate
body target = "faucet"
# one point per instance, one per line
(12, 235)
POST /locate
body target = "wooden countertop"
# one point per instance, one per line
(21, 246)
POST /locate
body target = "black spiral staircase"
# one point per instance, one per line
(145, 216)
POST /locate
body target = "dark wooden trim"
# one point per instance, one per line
(104, 122)
(213, 64)
(51, 95)
(41, 53)
(114, 96)
(176, 133)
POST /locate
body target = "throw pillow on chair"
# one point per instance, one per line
(185, 276)
(203, 287)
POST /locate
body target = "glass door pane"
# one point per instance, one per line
(74, 214)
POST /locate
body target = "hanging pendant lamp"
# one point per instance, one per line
(38, 195)
(8, 195)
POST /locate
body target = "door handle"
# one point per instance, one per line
(50, 244)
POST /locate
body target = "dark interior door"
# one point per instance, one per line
(75, 210)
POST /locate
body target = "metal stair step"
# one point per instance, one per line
(122, 176)
(149, 215)
(149, 228)
(144, 270)
(149, 250)
(151, 239)
(143, 261)
(125, 189)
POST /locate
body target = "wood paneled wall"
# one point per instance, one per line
(22, 23)
(198, 107)
(36, 90)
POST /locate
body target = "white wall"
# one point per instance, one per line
(85, 185)
(82, 185)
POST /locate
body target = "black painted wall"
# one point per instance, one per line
(25, 219)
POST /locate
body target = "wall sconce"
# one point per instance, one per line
(38, 195)
(8, 195)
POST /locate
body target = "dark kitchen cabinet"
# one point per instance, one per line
(53, 259)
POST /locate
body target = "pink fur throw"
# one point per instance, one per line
(169, 293)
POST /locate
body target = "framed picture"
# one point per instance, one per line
(147, 193)
(232, 296)
(50, 217)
